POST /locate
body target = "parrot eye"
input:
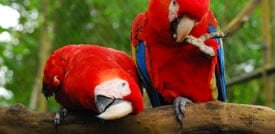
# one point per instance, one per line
(173, 10)
(174, 2)
(116, 88)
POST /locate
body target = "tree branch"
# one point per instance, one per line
(211, 117)
(242, 17)
(269, 70)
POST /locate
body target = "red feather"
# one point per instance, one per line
(80, 68)
(178, 69)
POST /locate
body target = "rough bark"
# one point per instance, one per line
(211, 117)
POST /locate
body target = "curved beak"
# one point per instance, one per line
(181, 27)
(112, 108)
(46, 91)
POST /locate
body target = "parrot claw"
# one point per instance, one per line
(179, 106)
(59, 116)
(199, 42)
(57, 119)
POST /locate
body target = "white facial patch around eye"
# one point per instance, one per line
(173, 10)
(115, 88)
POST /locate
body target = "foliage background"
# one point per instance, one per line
(109, 23)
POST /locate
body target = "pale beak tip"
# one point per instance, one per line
(184, 27)
(179, 40)
(116, 111)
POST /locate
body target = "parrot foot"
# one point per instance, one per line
(59, 116)
(199, 42)
(179, 106)
(213, 35)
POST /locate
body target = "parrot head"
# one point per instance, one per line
(117, 97)
(94, 78)
(176, 17)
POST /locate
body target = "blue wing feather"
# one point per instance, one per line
(220, 69)
(155, 98)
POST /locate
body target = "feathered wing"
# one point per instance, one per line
(220, 68)
(141, 58)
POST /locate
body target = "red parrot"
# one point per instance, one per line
(170, 67)
(90, 77)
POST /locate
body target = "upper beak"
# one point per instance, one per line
(112, 108)
(181, 27)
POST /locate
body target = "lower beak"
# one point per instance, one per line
(182, 27)
(112, 108)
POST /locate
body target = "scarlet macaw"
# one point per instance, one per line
(90, 77)
(171, 68)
